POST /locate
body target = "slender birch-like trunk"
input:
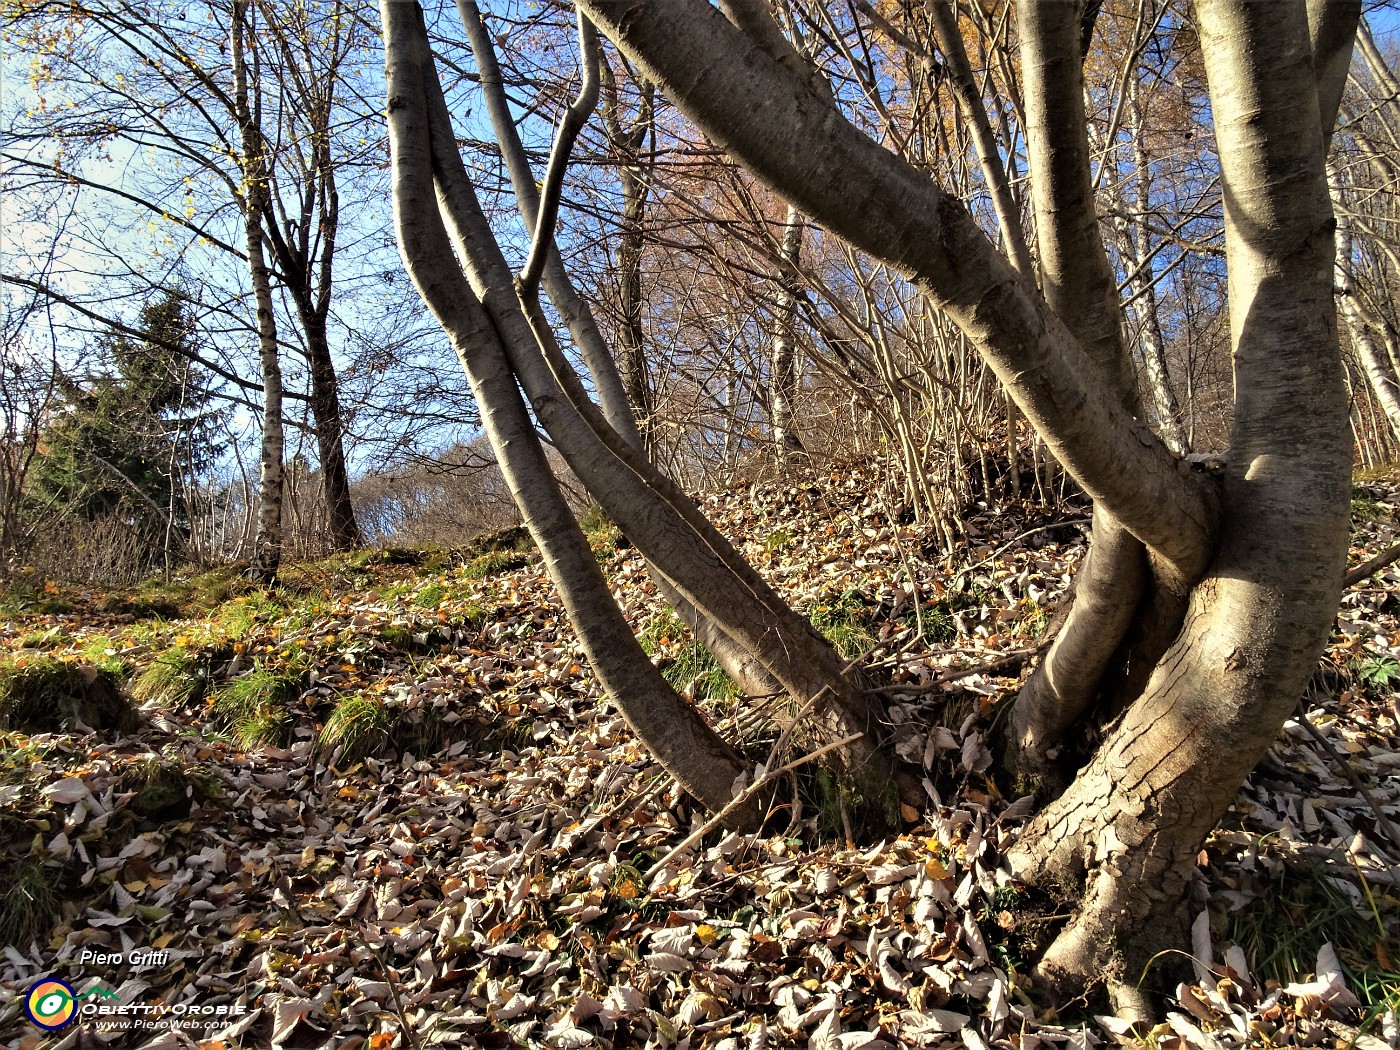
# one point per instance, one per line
(267, 541)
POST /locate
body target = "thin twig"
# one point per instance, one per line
(743, 797)
(409, 1035)
(1382, 821)
(1020, 656)
(1017, 539)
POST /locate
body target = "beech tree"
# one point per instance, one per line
(1211, 583)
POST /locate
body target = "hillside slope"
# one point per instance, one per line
(387, 806)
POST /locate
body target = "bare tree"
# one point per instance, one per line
(1223, 583)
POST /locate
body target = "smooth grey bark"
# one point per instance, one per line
(575, 313)
(1259, 618)
(627, 139)
(1117, 593)
(1076, 277)
(267, 541)
(741, 664)
(781, 128)
(1136, 814)
(950, 42)
(668, 726)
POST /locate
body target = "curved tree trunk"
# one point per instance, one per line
(1263, 578)
(651, 510)
(665, 723)
(744, 665)
(1090, 658)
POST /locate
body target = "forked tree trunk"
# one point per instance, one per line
(1263, 579)
(1096, 655)
(1256, 624)
(677, 540)
(743, 665)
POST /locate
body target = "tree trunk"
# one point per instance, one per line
(1269, 567)
(651, 509)
(668, 726)
(783, 387)
(1135, 816)
(267, 542)
(1374, 362)
(330, 444)
(1093, 658)
(1143, 287)
(743, 663)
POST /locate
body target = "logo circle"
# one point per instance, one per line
(50, 1003)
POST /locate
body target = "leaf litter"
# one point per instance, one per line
(492, 888)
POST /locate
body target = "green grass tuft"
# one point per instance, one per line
(30, 899)
(256, 706)
(163, 791)
(49, 639)
(47, 695)
(1281, 930)
(1364, 508)
(776, 541)
(846, 623)
(494, 562)
(666, 629)
(176, 678)
(694, 669)
(359, 725)
(239, 616)
(939, 625)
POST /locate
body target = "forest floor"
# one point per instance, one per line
(385, 805)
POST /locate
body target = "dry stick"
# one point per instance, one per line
(409, 1034)
(743, 797)
(1008, 660)
(781, 743)
(1382, 821)
(1017, 539)
(1380, 561)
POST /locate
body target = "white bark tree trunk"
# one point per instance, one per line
(267, 541)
